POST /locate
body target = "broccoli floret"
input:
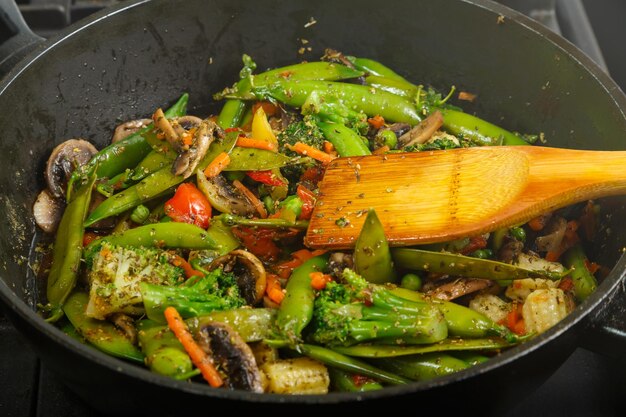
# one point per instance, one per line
(358, 311)
(305, 131)
(437, 144)
(215, 290)
(115, 273)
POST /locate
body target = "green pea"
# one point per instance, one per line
(140, 214)
(411, 282)
(386, 137)
(518, 233)
(482, 253)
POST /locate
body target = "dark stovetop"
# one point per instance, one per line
(587, 384)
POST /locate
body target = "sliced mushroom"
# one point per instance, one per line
(232, 356)
(399, 128)
(223, 196)
(128, 128)
(47, 211)
(249, 272)
(187, 160)
(459, 287)
(553, 235)
(338, 261)
(423, 131)
(63, 160)
(510, 250)
(126, 324)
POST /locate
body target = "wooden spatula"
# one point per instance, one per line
(438, 196)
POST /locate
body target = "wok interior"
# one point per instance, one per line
(130, 63)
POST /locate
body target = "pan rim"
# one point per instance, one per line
(603, 292)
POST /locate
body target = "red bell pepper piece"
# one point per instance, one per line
(189, 205)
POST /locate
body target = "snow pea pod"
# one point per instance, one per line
(372, 257)
(346, 363)
(370, 101)
(171, 235)
(232, 220)
(345, 140)
(462, 321)
(455, 264)
(126, 153)
(451, 344)
(101, 334)
(231, 113)
(67, 251)
(153, 185)
(296, 309)
(422, 367)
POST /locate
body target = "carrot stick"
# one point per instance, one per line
(273, 289)
(304, 149)
(186, 266)
(319, 280)
(245, 142)
(258, 204)
(198, 356)
(217, 165)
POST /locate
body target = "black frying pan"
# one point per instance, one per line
(124, 62)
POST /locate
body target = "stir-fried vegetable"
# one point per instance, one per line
(182, 245)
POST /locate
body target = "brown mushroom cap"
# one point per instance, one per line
(249, 272)
(232, 355)
(63, 160)
(223, 196)
(47, 211)
(128, 128)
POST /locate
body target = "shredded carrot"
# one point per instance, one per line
(464, 95)
(217, 165)
(186, 266)
(273, 289)
(377, 121)
(319, 280)
(285, 269)
(520, 327)
(304, 149)
(258, 204)
(187, 138)
(245, 142)
(329, 147)
(89, 237)
(198, 356)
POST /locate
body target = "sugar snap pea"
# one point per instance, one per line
(67, 250)
(372, 257)
(153, 185)
(345, 140)
(171, 235)
(422, 367)
(372, 102)
(101, 334)
(584, 281)
(296, 309)
(126, 153)
(337, 360)
(249, 159)
(164, 354)
(345, 382)
(462, 321)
